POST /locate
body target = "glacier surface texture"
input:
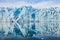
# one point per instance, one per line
(28, 21)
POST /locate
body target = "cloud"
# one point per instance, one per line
(44, 4)
(17, 4)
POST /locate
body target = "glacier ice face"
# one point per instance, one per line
(27, 21)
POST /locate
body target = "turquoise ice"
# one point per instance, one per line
(28, 21)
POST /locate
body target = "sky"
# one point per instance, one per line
(29, 2)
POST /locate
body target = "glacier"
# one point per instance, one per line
(29, 21)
